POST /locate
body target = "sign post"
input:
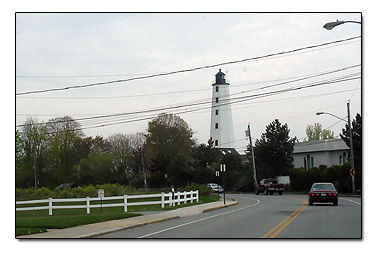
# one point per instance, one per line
(222, 170)
(101, 194)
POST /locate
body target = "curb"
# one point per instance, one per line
(219, 207)
(92, 235)
(161, 220)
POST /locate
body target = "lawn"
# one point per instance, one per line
(29, 222)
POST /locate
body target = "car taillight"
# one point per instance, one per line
(335, 194)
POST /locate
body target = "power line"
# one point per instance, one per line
(295, 79)
(207, 102)
(240, 99)
(185, 70)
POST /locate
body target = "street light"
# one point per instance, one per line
(326, 113)
(352, 171)
(331, 25)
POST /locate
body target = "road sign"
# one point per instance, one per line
(352, 172)
(101, 193)
(148, 175)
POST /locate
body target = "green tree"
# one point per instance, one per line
(63, 135)
(274, 151)
(234, 172)
(357, 142)
(168, 145)
(205, 161)
(123, 158)
(33, 143)
(19, 149)
(315, 132)
(96, 168)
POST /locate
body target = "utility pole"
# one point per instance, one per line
(352, 171)
(36, 181)
(143, 169)
(248, 134)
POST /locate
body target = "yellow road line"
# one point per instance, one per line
(289, 219)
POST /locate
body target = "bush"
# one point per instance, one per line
(81, 192)
(203, 190)
(302, 180)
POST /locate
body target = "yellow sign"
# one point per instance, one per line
(352, 172)
(148, 175)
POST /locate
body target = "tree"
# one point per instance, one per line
(315, 132)
(33, 143)
(205, 162)
(96, 168)
(274, 151)
(357, 141)
(63, 134)
(19, 149)
(123, 158)
(168, 145)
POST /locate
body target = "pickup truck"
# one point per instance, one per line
(269, 186)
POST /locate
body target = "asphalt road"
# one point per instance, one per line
(261, 216)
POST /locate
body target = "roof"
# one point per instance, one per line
(320, 146)
(225, 151)
(220, 79)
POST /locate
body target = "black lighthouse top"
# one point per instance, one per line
(220, 78)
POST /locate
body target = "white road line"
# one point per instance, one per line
(358, 203)
(199, 220)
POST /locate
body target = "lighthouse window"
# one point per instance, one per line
(216, 125)
(216, 143)
(217, 88)
(217, 100)
(217, 112)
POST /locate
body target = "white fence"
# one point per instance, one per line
(165, 198)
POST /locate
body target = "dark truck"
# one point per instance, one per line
(269, 186)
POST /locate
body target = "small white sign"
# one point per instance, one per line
(101, 193)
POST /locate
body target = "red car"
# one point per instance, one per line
(323, 192)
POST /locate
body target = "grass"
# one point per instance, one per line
(30, 222)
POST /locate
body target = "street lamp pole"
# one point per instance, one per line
(352, 170)
(331, 25)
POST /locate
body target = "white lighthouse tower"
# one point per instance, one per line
(221, 129)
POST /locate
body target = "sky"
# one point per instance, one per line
(57, 50)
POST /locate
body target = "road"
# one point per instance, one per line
(261, 216)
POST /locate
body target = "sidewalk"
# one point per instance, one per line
(101, 228)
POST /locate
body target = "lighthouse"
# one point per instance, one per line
(221, 129)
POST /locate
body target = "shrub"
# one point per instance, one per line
(302, 180)
(203, 190)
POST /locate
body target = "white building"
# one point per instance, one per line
(321, 152)
(221, 129)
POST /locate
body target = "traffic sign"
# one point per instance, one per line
(352, 172)
(101, 193)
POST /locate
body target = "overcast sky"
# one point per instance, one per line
(59, 50)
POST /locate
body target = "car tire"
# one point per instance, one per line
(335, 203)
(280, 193)
(310, 203)
(257, 192)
